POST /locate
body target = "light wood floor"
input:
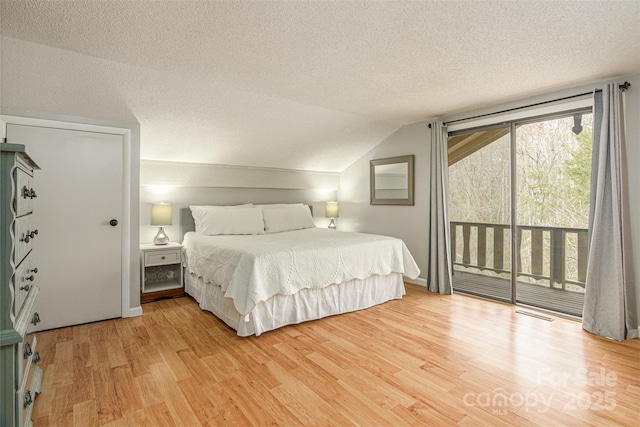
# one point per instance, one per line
(424, 360)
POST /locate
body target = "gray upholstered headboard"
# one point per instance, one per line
(188, 224)
(186, 221)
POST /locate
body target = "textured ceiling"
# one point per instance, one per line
(299, 84)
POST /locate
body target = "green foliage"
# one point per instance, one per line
(553, 177)
(578, 170)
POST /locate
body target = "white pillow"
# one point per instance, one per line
(287, 218)
(215, 220)
(279, 205)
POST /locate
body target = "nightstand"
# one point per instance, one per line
(161, 268)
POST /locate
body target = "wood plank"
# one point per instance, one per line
(536, 252)
(482, 246)
(498, 248)
(557, 257)
(85, 414)
(466, 247)
(158, 415)
(106, 396)
(61, 405)
(405, 362)
(176, 402)
(454, 248)
(173, 361)
(583, 252)
(202, 399)
(148, 390)
(519, 250)
(126, 390)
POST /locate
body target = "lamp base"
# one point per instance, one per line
(332, 224)
(161, 238)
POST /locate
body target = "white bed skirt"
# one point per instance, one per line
(307, 304)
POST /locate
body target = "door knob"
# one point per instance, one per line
(113, 222)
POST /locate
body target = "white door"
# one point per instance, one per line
(77, 251)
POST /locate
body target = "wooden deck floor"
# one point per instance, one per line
(548, 298)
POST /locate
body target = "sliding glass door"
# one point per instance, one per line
(553, 169)
(548, 160)
(480, 211)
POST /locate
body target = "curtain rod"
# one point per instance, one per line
(623, 87)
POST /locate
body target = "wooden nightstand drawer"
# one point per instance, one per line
(169, 256)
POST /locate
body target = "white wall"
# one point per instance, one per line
(408, 223)
(183, 184)
(404, 222)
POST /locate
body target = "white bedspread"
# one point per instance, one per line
(250, 269)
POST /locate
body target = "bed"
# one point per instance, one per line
(261, 267)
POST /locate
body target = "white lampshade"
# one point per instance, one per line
(161, 214)
(332, 210)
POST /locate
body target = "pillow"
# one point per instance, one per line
(280, 205)
(287, 218)
(215, 220)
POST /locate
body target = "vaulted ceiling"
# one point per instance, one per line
(309, 85)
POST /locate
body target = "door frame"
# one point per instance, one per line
(130, 193)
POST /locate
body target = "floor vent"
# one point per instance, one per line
(539, 316)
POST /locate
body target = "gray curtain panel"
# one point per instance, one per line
(439, 251)
(609, 306)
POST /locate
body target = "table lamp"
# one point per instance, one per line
(332, 210)
(161, 216)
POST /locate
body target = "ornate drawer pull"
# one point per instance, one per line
(35, 319)
(30, 278)
(25, 287)
(29, 235)
(28, 193)
(35, 270)
(36, 357)
(28, 400)
(27, 350)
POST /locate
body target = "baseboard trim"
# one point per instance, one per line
(419, 281)
(135, 311)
